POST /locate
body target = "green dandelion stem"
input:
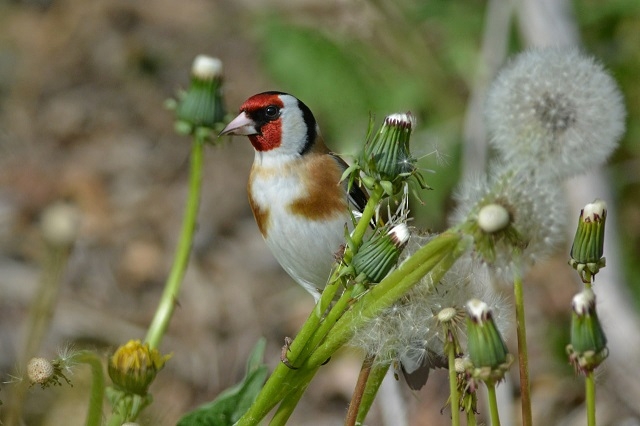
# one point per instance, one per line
(376, 376)
(493, 405)
(290, 401)
(471, 418)
(453, 384)
(169, 298)
(94, 414)
(590, 390)
(523, 359)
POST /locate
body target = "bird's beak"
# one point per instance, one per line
(242, 125)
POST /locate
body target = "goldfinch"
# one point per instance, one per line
(294, 187)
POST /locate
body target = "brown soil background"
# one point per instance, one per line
(82, 86)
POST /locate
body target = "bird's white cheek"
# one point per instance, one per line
(294, 133)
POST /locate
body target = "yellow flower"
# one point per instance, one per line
(134, 366)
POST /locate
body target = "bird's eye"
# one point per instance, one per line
(272, 112)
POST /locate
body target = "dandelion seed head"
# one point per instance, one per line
(536, 208)
(556, 109)
(40, 370)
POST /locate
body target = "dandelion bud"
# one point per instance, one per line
(134, 366)
(386, 154)
(201, 105)
(588, 346)
(487, 350)
(588, 243)
(377, 256)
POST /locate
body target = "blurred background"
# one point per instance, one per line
(82, 122)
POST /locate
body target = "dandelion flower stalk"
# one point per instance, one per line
(96, 396)
(493, 405)
(359, 391)
(169, 297)
(376, 376)
(447, 318)
(198, 111)
(453, 382)
(523, 354)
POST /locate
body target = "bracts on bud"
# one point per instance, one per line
(386, 158)
(588, 348)
(490, 359)
(380, 253)
(201, 106)
(588, 244)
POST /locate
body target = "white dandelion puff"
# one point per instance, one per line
(536, 213)
(555, 109)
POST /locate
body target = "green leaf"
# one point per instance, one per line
(232, 403)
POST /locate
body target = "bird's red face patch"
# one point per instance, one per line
(265, 109)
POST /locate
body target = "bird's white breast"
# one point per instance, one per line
(304, 247)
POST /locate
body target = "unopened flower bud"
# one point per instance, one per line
(588, 244)
(201, 105)
(379, 255)
(386, 155)
(134, 366)
(487, 350)
(588, 346)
